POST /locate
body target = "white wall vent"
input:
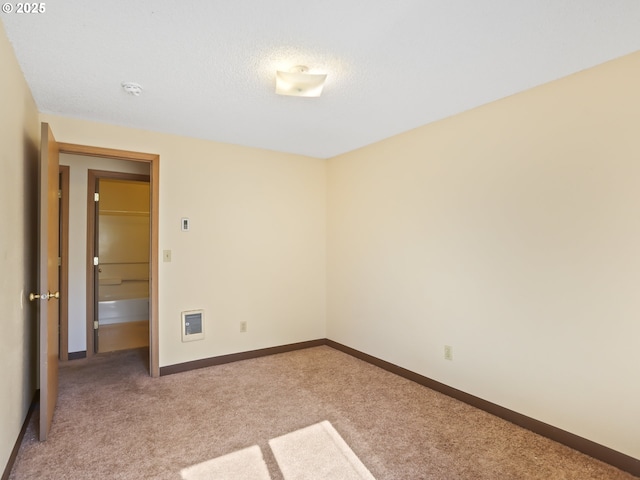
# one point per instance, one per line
(192, 325)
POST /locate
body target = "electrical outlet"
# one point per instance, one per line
(243, 327)
(448, 352)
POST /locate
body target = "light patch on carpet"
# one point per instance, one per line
(246, 464)
(317, 452)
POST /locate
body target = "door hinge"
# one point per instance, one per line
(96, 197)
(95, 261)
(59, 261)
(59, 193)
(95, 325)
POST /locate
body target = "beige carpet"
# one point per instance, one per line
(115, 422)
(317, 452)
(245, 464)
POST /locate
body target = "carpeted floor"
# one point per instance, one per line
(115, 422)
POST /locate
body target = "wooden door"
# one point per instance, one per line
(48, 278)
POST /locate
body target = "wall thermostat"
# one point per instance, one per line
(184, 224)
(192, 325)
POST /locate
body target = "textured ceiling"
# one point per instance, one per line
(208, 67)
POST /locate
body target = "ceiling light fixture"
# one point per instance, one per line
(299, 82)
(132, 88)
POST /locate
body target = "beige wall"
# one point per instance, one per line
(256, 249)
(512, 233)
(19, 140)
(79, 165)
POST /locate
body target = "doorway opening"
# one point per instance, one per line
(121, 246)
(148, 166)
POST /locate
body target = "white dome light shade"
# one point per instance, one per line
(299, 83)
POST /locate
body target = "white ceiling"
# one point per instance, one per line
(208, 67)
